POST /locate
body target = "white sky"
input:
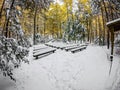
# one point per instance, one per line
(74, 3)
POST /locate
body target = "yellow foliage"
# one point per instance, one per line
(56, 15)
(83, 1)
(69, 2)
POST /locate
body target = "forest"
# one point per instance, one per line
(26, 24)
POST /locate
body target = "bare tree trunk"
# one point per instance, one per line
(99, 23)
(96, 34)
(44, 23)
(88, 32)
(7, 22)
(2, 8)
(44, 27)
(35, 15)
(103, 20)
(107, 19)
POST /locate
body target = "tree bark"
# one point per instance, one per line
(107, 19)
(35, 15)
(96, 34)
(2, 9)
(99, 23)
(103, 20)
(7, 21)
(88, 32)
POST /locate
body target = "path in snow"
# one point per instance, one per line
(85, 70)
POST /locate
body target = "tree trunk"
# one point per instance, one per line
(103, 25)
(96, 34)
(88, 33)
(2, 8)
(7, 21)
(99, 23)
(35, 15)
(107, 19)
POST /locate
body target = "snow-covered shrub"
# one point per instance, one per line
(37, 38)
(24, 42)
(12, 51)
(11, 55)
(41, 39)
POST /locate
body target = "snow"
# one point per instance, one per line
(44, 51)
(61, 44)
(84, 70)
(39, 46)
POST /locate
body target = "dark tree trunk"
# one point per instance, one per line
(88, 32)
(99, 23)
(96, 27)
(35, 15)
(107, 19)
(103, 25)
(44, 27)
(7, 21)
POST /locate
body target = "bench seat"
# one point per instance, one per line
(37, 49)
(78, 49)
(43, 52)
(70, 48)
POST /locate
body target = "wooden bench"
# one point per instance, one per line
(53, 46)
(78, 49)
(44, 52)
(37, 49)
(48, 45)
(61, 47)
(67, 46)
(70, 48)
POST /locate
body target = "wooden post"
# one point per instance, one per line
(108, 36)
(112, 41)
(112, 48)
(113, 26)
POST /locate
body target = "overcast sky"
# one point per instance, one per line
(74, 3)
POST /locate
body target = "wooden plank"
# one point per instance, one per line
(40, 48)
(78, 49)
(114, 24)
(60, 46)
(70, 48)
(112, 41)
(43, 52)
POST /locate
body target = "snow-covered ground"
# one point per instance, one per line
(85, 70)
